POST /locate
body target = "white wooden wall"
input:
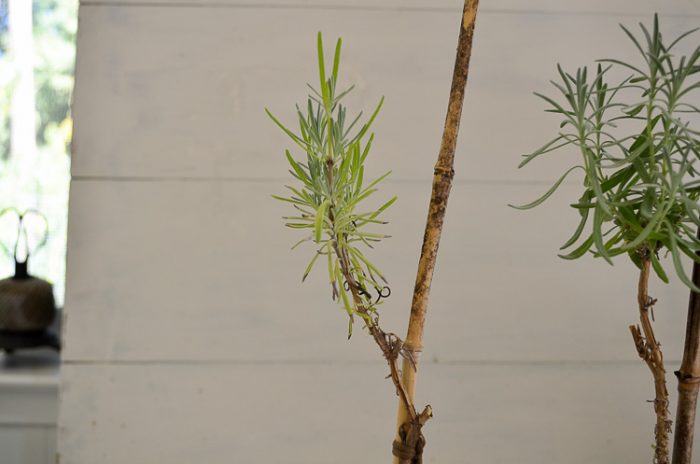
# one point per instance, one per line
(189, 338)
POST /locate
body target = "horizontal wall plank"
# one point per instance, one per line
(173, 270)
(156, 97)
(345, 414)
(624, 7)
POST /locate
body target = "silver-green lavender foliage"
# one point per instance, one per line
(638, 154)
(331, 188)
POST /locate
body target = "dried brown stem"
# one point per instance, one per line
(442, 183)
(688, 379)
(390, 345)
(649, 350)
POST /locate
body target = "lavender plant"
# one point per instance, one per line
(328, 205)
(331, 192)
(638, 155)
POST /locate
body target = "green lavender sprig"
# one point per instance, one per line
(331, 190)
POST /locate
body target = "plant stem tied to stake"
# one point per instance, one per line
(649, 350)
(390, 345)
(331, 174)
(688, 379)
(408, 435)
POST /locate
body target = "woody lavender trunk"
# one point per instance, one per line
(688, 379)
(649, 350)
(408, 442)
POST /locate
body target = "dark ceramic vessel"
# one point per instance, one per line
(26, 302)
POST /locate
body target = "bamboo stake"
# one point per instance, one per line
(688, 379)
(649, 349)
(442, 183)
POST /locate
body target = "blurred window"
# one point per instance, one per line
(37, 56)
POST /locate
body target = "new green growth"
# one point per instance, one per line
(331, 189)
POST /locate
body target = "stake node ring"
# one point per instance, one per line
(687, 378)
(444, 171)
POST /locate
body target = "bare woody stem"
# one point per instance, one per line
(649, 350)
(388, 343)
(442, 183)
(391, 347)
(688, 379)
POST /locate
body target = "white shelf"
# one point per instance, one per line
(29, 407)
